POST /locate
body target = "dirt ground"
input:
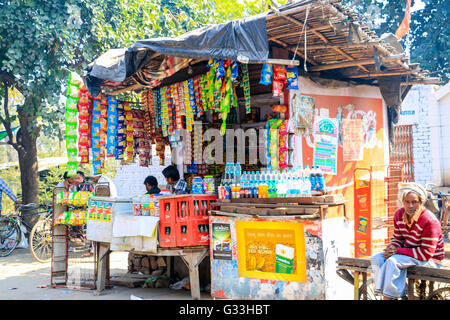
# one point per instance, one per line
(23, 278)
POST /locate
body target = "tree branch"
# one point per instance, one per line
(9, 78)
(5, 121)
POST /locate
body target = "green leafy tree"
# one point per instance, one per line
(42, 41)
(428, 40)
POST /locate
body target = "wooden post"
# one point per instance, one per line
(102, 263)
(411, 289)
(364, 275)
(356, 286)
(192, 259)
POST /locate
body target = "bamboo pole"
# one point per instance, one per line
(350, 63)
(383, 74)
(324, 39)
(339, 45)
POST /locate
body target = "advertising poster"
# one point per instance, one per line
(271, 250)
(326, 144)
(363, 232)
(221, 241)
(353, 139)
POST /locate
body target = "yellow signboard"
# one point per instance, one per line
(271, 250)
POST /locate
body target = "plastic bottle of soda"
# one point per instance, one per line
(320, 180)
(244, 185)
(312, 178)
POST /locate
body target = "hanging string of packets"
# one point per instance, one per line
(214, 91)
(84, 124)
(96, 114)
(71, 112)
(112, 127)
(120, 138)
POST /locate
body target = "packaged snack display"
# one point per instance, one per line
(266, 74)
(111, 127)
(292, 77)
(71, 118)
(279, 73)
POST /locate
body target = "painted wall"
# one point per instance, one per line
(369, 106)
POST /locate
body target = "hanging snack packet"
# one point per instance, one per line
(72, 155)
(292, 77)
(279, 73)
(234, 71)
(266, 74)
(71, 104)
(71, 117)
(83, 110)
(71, 129)
(277, 89)
(72, 168)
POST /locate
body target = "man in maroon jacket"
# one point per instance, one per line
(417, 240)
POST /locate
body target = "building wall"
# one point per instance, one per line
(442, 98)
(419, 98)
(431, 130)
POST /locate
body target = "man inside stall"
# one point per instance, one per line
(83, 183)
(175, 184)
(151, 185)
(69, 183)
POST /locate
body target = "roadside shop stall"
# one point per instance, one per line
(312, 102)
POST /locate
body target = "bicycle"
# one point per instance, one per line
(438, 202)
(41, 239)
(10, 227)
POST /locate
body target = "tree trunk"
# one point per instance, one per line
(28, 165)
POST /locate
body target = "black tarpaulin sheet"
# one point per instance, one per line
(242, 40)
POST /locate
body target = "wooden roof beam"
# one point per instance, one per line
(381, 74)
(347, 64)
(298, 32)
(324, 39)
(339, 14)
(339, 45)
(300, 54)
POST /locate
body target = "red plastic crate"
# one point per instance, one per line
(167, 210)
(185, 208)
(192, 233)
(200, 232)
(188, 219)
(183, 234)
(201, 207)
(167, 235)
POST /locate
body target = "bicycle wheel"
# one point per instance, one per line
(440, 294)
(41, 241)
(10, 236)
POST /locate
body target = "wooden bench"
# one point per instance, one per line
(363, 266)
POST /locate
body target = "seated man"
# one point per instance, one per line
(175, 184)
(151, 185)
(417, 240)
